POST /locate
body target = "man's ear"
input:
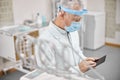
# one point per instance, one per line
(61, 13)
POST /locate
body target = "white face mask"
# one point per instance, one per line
(73, 27)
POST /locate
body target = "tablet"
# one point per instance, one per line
(100, 60)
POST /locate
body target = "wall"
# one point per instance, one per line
(16, 11)
(6, 13)
(109, 7)
(28, 9)
(96, 5)
(112, 29)
(6, 18)
(118, 11)
(1, 63)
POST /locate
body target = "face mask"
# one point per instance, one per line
(73, 27)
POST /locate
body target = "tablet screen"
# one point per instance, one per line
(100, 60)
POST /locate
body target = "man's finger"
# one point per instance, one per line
(90, 59)
(91, 63)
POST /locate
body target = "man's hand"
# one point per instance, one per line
(84, 64)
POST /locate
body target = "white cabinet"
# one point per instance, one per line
(7, 48)
(7, 41)
(94, 36)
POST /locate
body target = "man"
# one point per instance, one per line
(63, 31)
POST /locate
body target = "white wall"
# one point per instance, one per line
(99, 5)
(115, 40)
(1, 63)
(96, 5)
(27, 9)
(118, 12)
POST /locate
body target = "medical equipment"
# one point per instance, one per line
(9, 35)
(8, 38)
(24, 49)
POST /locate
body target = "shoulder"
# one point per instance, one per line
(46, 34)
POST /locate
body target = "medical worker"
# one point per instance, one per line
(63, 30)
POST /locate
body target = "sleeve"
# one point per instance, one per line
(45, 53)
(76, 70)
(83, 57)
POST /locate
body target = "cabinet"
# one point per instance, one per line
(8, 38)
(95, 30)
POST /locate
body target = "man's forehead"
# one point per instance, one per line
(76, 6)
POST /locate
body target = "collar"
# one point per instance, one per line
(56, 31)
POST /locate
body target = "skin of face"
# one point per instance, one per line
(69, 18)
